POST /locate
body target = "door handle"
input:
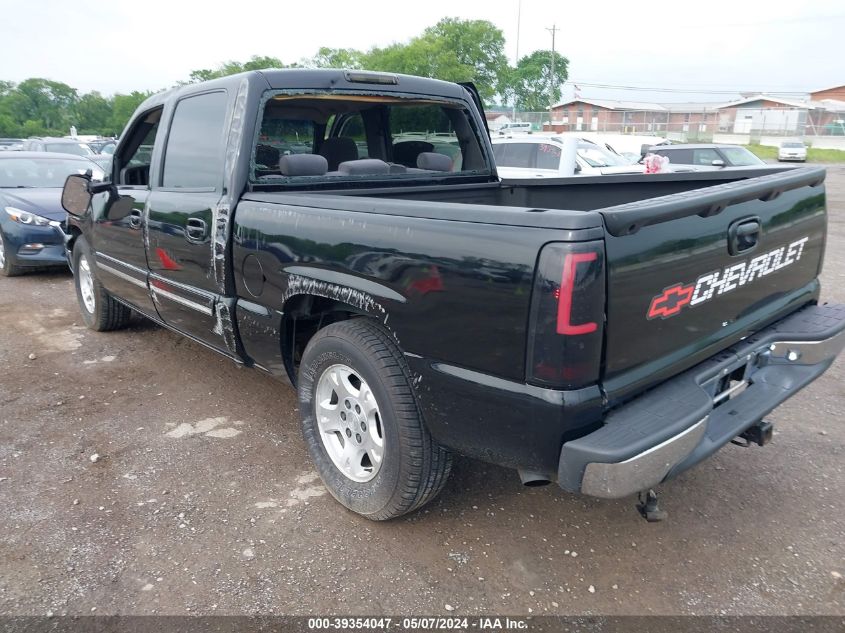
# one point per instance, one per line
(135, 217)
(196, 229)
(744, 235)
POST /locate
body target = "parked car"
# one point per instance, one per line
(628, 146)
(31, 213)
(707, 155)
(10, 144)
(792, 150)
(538, 156)
(519, 127)
(605, 337)
(57, 145)
(103, 146)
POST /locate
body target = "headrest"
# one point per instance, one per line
(368, 166)
(434, 161)
(303, 165)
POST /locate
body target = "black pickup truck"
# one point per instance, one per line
(347, 231)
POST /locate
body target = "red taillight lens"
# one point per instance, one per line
(567, 288)
(566, 324)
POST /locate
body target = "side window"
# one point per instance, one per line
(548, 156)
(136, 154)
(704, 156)
(678, 157)
(353, 127)
(517, 155)
(194, 156)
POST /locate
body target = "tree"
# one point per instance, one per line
(451, 50)
(478, 47)
(47, 103)
(335, 58)
(531, 81)
(123, 106)
(256, 62)
(93, 112)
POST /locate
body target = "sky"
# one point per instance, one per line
(679, 45)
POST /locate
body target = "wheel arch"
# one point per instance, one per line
(305, 314)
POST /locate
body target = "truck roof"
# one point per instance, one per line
(319, 79)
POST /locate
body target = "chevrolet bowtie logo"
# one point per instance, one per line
(670, 302)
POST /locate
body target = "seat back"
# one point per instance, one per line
(406, 152)
(337, 150)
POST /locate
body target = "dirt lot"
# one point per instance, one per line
(203, 499)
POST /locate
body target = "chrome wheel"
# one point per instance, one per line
(86, 284)
(2, 252)
(350, 423)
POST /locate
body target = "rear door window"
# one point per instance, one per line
(548, 156)
(516, 154)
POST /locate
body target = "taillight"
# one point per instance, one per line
(567, 316)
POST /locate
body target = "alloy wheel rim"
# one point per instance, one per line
(349, 423)
(86, 284)
(2, 252)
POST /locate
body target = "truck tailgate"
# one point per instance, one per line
(692, 273)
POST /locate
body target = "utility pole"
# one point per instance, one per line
(516, 57)
(553, 31)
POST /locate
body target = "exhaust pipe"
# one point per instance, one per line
(532, 479)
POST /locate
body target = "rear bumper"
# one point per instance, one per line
(688, 418)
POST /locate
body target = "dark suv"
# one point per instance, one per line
(708, 155)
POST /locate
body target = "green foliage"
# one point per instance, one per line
(326, 57)
(531, 83)
(255, 62)
(451, 50)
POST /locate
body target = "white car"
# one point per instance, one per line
(543, 157)
(792, 150)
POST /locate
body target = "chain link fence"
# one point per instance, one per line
(768, 126)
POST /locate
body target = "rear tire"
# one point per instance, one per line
(7, 268)
(356, 366)
(100, 311)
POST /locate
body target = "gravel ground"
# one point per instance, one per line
(202, 499)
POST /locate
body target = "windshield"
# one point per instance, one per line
(78, 149)
(596, 156)
(798, 145)
(740, 157)
(43, 172)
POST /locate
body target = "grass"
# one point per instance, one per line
(813, 155)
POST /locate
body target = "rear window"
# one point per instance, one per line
(348, 137)
(77, 149)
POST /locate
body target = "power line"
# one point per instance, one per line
(685, 90)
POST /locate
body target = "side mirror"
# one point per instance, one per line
(718, 163)
(76, 196)
(645, 149)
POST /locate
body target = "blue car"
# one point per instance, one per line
(31, 214)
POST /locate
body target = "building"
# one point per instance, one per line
(837, 93)
(633, 117)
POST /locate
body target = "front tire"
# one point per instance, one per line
(100, 311)
(362, 424)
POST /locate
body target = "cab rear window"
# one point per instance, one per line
(348, 137)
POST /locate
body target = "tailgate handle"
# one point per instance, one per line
(744, 235)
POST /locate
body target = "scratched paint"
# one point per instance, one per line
(299, 285)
